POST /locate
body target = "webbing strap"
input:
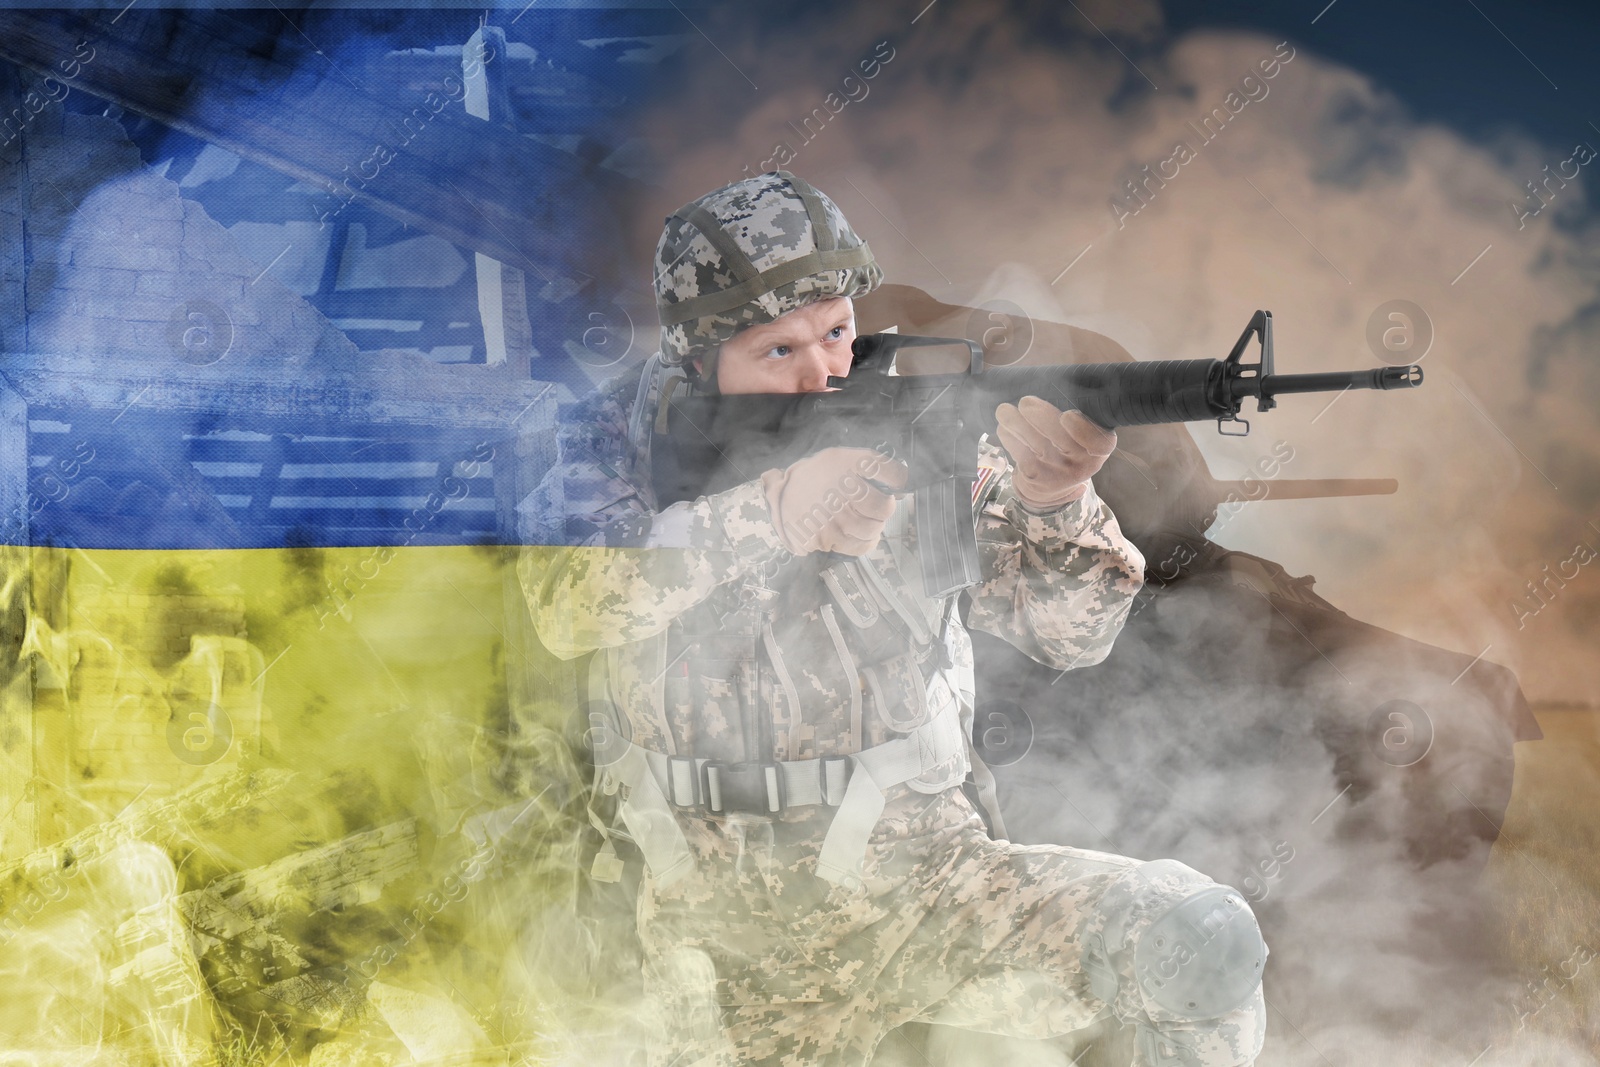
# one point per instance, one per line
(697, 307)
(821, 232)
(650, 820)
(645, 811)
(781, 670)
(733, 257)
(844, 849)
(916, 622)
(988, 793)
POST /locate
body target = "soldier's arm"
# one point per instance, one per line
(1057, 585)
(633, 572)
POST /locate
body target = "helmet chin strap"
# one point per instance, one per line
(703, 383)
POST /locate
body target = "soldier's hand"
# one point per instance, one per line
(827, 502)
(1055, 453)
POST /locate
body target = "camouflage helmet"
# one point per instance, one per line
(747, 253)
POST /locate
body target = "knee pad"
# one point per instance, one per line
(1201, 957)
(1168, 943)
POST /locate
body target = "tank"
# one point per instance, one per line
(1349, 780)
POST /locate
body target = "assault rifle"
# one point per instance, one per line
(934, 421)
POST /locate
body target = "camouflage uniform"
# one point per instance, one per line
(720, 644)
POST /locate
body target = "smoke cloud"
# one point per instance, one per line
(1160, 191)
(995, 153)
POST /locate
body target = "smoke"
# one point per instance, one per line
(993, 161)
(987, 159)
(987, 162)
(1358, 838)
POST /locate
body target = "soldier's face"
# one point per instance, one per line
(794, 353)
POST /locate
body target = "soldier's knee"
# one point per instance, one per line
(1202, 956)
(1191, 949)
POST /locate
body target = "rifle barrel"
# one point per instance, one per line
(1407, 377)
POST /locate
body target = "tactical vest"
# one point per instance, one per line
(828, 680)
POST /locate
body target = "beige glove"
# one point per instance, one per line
(824, 503)
(1055, 454)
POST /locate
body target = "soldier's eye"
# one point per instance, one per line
(777, 352)
(836, 333)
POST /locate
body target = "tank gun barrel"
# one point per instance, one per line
(1304, 488)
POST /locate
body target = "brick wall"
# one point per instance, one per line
(101, 258)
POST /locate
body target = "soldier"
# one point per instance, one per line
(789, 716)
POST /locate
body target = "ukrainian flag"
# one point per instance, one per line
(284, 773)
